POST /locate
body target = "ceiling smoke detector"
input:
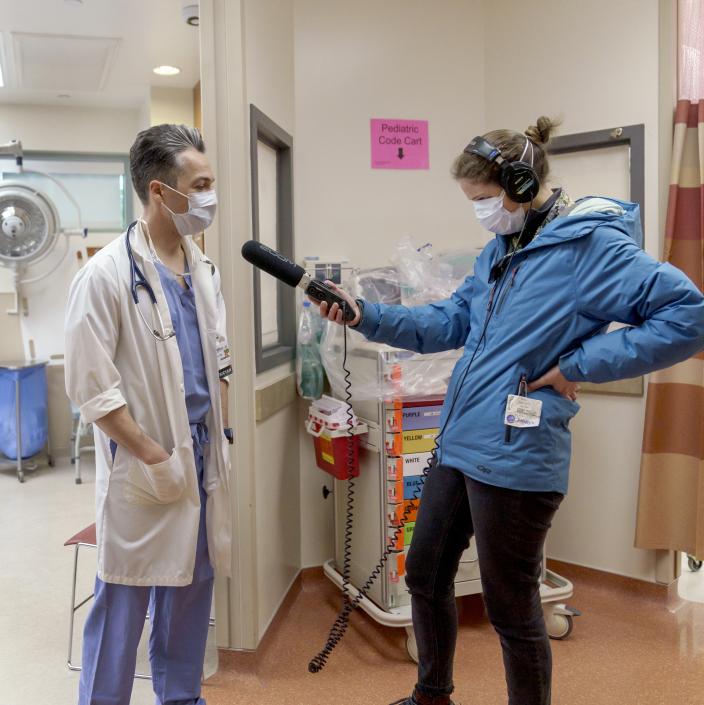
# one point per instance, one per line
(190, 13)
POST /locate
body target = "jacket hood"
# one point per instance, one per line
(586, 215)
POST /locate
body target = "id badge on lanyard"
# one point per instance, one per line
(521, 410)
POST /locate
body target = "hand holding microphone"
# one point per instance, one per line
(333, 312)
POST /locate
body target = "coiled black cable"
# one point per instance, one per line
(342, 621)
(349, 509)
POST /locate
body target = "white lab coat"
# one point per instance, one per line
(147, 516)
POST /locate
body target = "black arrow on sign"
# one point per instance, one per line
(400, 152)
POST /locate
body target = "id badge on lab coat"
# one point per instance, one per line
(223, 353)
(523, 412)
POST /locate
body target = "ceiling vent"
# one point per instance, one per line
(62, 62)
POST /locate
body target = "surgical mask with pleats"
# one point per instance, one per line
(199, 216)
(492, 215)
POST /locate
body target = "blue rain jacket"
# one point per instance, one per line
(583, 271)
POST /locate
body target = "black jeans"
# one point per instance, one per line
(509, 527)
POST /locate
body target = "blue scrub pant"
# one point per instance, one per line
(179, 616)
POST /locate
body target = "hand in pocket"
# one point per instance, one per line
(159, 483)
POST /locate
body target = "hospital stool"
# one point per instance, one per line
(80, 429)
(87, 538)
(82, 538)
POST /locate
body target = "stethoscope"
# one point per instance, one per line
(137, 281)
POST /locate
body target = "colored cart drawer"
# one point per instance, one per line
(396, 512)
(412, 417)
(412, 486)
(396, 567)
(408, 487)
(420, 441)
(406, 465)
(408, 533)
(395, 491)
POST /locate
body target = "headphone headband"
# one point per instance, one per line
(517, 178)
(485, 149)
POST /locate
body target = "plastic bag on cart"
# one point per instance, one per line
(381, 372)
(425, 277)
(379, 285)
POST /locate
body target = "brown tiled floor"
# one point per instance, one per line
(626, 649)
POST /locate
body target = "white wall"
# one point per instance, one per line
(59, 129)
(596, 66)
(356, 61)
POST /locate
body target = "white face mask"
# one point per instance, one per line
(199, 216)
(492, 215)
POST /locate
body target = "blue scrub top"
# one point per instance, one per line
(182, 306)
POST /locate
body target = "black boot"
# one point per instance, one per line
(420, 699)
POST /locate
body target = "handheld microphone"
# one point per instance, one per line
(274, 263)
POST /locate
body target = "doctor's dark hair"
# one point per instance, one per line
(476, 168)
(154, 155)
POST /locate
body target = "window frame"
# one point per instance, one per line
(631, 136)
(264, 129)
(128, 205)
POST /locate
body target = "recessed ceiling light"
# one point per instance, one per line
(167, 70)
(2, 80)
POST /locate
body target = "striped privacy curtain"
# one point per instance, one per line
(671, 497)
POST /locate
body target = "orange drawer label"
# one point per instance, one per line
(396, 512)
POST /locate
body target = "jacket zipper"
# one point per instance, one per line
(503, 298)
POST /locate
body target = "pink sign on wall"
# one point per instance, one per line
(400, 144)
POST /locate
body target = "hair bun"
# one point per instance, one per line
(540, 132)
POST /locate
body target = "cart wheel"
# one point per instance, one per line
(694, 564)
(51, 462)
(412, 647)
(560, 626)
(73, 461)
(79, 481)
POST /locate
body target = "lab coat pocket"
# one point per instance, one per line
(163, 483)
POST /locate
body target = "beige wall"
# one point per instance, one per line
(356, 61)
(269, 59)
(594, 75)
(437, 65)
(268, 27)
(57, 128)
(397, 59)
(352, 62)
(246, 57)
(171, 105)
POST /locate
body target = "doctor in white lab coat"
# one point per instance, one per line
(153, 380)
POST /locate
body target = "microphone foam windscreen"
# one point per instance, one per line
(272, 262)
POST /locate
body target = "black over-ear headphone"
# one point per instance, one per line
(517, 178)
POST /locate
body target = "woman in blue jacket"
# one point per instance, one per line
(532, 322)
